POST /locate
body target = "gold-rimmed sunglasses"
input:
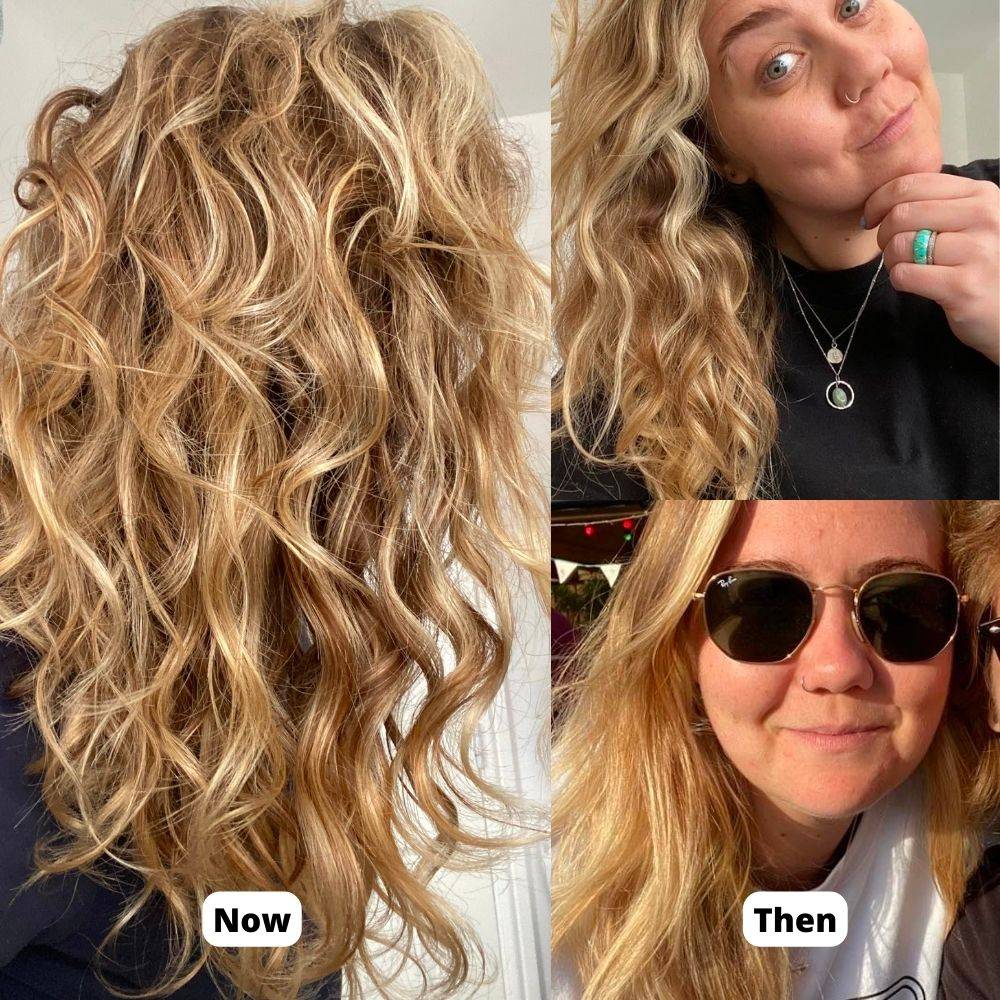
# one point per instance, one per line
(765, 615)
(989, 631)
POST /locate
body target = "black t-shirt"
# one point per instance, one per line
(925, 422)
(970, 966)
(577, 483)
(50, 932)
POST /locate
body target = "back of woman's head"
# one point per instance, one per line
(262, 469)
(661, 313)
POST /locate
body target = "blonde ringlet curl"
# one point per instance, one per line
(653, 823)
(664, 294)
(267, 341)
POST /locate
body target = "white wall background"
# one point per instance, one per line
(963, 40)
(47, 44)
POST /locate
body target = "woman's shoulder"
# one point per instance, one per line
(978, 170)
(969, 970)
(15, 653)
(22, 816)
(579, 482)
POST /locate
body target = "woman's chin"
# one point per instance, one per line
(840, 797)
(841, 807)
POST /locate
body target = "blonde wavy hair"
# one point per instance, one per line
(665, 275)
(653, 822)
(267, 342)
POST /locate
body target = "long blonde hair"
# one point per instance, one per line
(664, 275)
(653, 822)
(263, 361)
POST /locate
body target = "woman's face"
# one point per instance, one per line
(778, 99)
(765, 714)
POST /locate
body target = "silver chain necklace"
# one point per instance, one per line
(839, 394)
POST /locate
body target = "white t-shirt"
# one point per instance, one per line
(896, 917)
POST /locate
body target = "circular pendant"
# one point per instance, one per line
(839, 394)
(834, 356)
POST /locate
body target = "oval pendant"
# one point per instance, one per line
(834, 356)
(839, 394)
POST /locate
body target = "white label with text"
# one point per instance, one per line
(251, 919)
(795, 919)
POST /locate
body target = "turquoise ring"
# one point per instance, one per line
(923, 247)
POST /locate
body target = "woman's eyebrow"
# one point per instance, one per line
(889, 564)
(779, 564)
(755, 19)
(885, 565)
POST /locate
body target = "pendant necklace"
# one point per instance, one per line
(839, 393)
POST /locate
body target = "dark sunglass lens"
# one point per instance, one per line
(908, 617)
(758, 616)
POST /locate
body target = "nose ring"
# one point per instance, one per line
(849, 99)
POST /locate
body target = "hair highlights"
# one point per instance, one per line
(664, 326)
(264, 359)
(653, 821)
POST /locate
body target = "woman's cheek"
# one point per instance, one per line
(738, 698)
(921, 699)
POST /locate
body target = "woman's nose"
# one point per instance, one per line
(860, 65)
(835, 658)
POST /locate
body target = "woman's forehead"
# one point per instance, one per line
(836, 535)
(719, 15)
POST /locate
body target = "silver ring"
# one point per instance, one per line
(930, 246)
(848, 394)
(850, 101)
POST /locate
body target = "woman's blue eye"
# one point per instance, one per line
(778, 68)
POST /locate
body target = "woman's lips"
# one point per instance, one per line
(841, 739)
(896, 127)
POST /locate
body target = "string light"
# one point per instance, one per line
(626, 523)
(590, 527)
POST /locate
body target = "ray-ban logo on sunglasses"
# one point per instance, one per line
(726, 581)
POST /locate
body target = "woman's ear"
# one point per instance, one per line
(734, 174)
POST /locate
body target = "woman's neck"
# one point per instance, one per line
(793, 852)
(824, 242)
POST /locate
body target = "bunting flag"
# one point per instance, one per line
(565, 569)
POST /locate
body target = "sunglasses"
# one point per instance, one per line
(989, 631)
(765, 615)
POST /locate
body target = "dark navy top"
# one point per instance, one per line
(925, 422)
(969, 966)
(50, 932)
